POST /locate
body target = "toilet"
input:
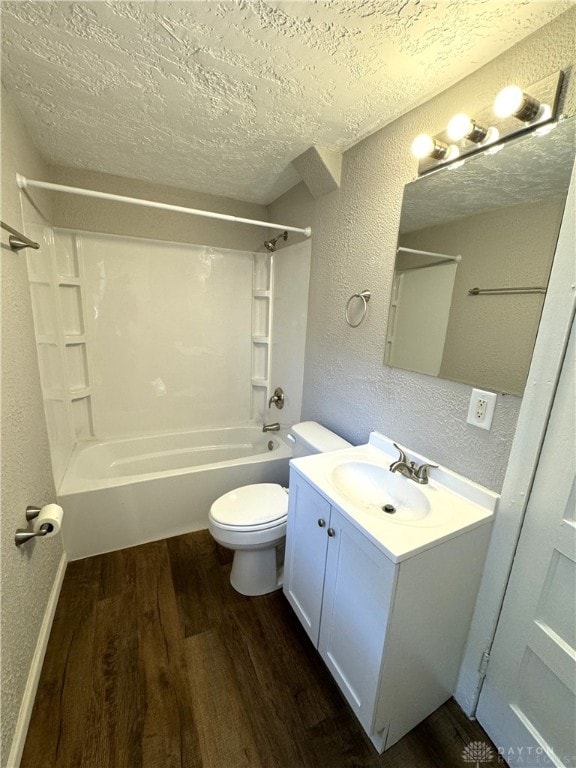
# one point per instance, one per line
(251, 520)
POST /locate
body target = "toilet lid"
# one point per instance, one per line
(251, 505)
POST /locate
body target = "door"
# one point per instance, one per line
(357, 594)
(305, 558)
(528, 701)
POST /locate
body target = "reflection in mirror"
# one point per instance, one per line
(491, 223)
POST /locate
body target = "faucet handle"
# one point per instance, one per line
(422, 472)
(277, 398)
(402, 456)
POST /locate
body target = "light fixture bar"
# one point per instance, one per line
(529, 115)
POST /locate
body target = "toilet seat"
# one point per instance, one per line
(251, 508)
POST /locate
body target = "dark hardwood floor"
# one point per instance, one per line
(155, 661)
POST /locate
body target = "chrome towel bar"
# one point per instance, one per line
(486, 291)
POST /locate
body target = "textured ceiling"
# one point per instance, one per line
(219, 97)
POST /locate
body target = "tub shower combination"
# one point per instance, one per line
(122, 492)
(144, 347)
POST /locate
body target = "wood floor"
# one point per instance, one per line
(154, 661)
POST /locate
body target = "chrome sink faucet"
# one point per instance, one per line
(410, 469)
(271, 427)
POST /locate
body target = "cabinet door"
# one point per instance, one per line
(358, 590)
(305, 560)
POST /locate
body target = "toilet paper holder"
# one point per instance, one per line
(23, 535)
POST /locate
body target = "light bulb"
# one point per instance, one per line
(463, 127)
(512, 101)
(508, 101)
(422, 145)
(459, 127)
(425, 146)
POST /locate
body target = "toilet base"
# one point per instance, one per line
(256, 571)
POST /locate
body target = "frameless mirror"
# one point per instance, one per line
(475, 248)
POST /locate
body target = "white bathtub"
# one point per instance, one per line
(123, 492)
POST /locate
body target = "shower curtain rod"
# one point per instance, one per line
(444, 256)
(24, 183)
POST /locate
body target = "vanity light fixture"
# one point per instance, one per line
(516, 110)
(513, 102)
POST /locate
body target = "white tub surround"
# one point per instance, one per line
(139, 336)
(124, 492)
(291, 270)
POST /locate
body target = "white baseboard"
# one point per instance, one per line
(35, 668)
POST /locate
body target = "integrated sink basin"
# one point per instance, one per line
(375, 489)
(357, 483)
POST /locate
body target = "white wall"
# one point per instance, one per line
(29, 573)
(346, 385)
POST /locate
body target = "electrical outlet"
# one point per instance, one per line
(481, 409)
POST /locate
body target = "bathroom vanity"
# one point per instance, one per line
(385, 597)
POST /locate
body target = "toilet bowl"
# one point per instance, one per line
(251, 520)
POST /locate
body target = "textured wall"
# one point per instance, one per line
(27, 573)
(296, 208)
(93, 215)
(346, 385)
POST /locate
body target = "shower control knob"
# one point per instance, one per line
(277, 398)
(331, 532)
(321, 523)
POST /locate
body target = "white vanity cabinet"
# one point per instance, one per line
(327, 567)
(391, 633)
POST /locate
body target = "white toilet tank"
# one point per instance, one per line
(309, 437)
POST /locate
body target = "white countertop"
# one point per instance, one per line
(456, 504)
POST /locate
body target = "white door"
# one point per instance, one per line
(528, 701)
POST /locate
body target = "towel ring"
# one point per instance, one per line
(365, 296)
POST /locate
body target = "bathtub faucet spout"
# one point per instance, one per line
(271, 427)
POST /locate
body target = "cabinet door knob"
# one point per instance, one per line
(331, 532)
(321, 522)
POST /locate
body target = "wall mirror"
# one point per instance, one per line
(489, 226)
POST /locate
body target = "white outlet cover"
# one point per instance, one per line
(490, 398)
